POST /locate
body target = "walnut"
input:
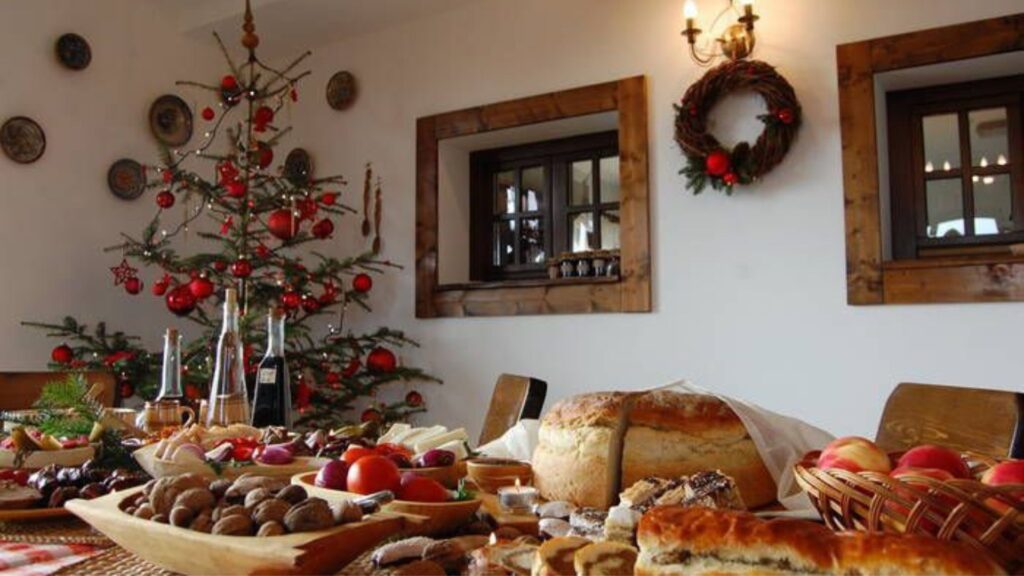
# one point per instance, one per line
(144, 511)
(219, 487)
(346, 511)
(161, 518)
(309, 515)
(202, 523)
(181, 516)
(270, 529)
(270, 510)
(246, 483)
(233, 525)
(166, 490)
(195, 499)
(256, 496)
(293, 494)
(232, 510)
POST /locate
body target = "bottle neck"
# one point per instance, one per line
(275, 335)
(170, 381)
(230, 323)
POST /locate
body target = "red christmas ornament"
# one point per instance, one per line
(303, 394)
(262, 251)
(294, 94)
(133, 286)
(326, 299)
(127, 389)
(307, 208)
(228, 82)
(192, 392)
(227, 171)
(264, 155)
(323, 228)
(371, 415)
(168, 176)
(220, 265)
(785, 116)
(225, 226)
(381, 360)
(263, 115)
(414, 399)
(235, 188)
(159, 289)
(717, 163)
(180, 300)
(241, 268)
(332, 378)
(62, 354)
(730, 178)
(328, 198)
(352, 367)
(122, 272)
(310, 304)
(165, 199)
(282, 224)
(208, 114)
(291, 300)
(362, 283)
(201, 287)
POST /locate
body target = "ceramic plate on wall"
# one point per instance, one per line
(126, 179)
(341, 90)
(298, 167)
(73, 51)
(170, 119)
(22, 139)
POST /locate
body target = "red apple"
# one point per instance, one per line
(912, 477)
(854, 454)
(1009, 472)
(932, 456)
(906, 473)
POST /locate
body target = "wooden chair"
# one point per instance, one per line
(990, 422)
(514, 398)
(18, 390)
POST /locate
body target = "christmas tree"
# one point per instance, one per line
(263, 220)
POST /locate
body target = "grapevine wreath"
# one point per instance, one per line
(708, 162)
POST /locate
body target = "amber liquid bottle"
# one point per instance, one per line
(272, 402)
(229, 402)
(170, 381)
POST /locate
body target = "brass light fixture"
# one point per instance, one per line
(736, 41)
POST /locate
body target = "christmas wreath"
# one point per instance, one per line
(708, 162)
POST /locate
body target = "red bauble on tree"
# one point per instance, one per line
(133, 286)
(62, 354)
(180, 300)
(323, 228)
(235, 189)
(717, 163)
(228, 171)
(303, 394)
(329, 198)
(307, 208)
(310, 304)
(220, 265)
(192, 392)
(352, 367)
(291, 300)
(263, 115)
(126, 389)
(228, 82)
(201, 287)
(159, 289)
(241, 268)
(208, 114)
(283, 224)
(262, 251)
(165, 199)
(381, 360)
(264, 155)
(362, 283)
(414, 399)
(371, 415)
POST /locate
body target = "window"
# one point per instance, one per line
(534, 201)
(957, 168)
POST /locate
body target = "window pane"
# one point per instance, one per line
(610, 179)
(504, 242)
(505, 192)
(531, 241)
(610, 230)
(534, 184)
(581, 231)
(988, 136)
(945, 208)
(993, 205)
(941, 142)
(582, 183)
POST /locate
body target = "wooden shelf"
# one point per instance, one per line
(531, 283)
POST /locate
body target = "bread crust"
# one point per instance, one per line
(671, 536)
(573, 464)
(683, 412)
(593, 409)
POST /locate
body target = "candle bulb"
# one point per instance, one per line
(517, 498)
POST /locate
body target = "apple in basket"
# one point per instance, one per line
(1002, 474)
(913, 479)
(854, 454)
(935, 457)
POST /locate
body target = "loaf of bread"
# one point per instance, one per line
(679, 540)
(594, 445)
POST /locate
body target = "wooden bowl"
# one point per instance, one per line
(988, 518)
(437, 517)
(158, 468)
(188, 552)
(41, 458)
(489, 474)
(449, 476)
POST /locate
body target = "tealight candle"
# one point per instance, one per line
(517, 497)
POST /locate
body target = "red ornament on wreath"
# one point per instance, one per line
(371, 415)
(180, 300)
(717, 163)
(381, 360)
(282, 224)
(362, 283)
(165, 199)
(133, 286)
(201, 287)
(323, 228)
(414, 399)
(730, 178)
(241, 268)
(785, 116)
(62, 354)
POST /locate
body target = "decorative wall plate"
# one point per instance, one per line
(73, 51)
(22, 139)
(126, 179)
(341, 90)
(298, 167)
(170, 119)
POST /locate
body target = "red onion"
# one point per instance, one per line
(275, 454)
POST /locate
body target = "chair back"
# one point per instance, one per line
(990, 422)
(19, 390)
(514, 398)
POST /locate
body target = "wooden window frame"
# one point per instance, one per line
(630, 292)
(556, 157)
(870, 279)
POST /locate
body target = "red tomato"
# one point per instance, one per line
(386, 449)
(21, 477)
(420, 489)
(7, 474)
(355, 453)
(372, 474)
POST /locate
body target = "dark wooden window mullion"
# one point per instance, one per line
(965, 172)
(516, 234)
(595, 176)
(1015, 156)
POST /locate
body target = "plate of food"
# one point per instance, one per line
(31, 449)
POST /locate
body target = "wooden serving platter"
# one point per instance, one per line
(158, 468)
(30, 514)
(188, 552)
(41, 458)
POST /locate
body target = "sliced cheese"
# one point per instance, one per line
(417, 435)
(434, 441)
(456, 446)
(395, 430)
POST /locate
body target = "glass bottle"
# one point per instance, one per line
(272, 401)
(170, 380)
(229, 402)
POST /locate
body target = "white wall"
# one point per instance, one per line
(57, 214)
(749, 290)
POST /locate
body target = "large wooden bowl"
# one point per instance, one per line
(188, 552)
(438, 517)
(158, 468)
(489, 474)
(449, 476)
(41, 458)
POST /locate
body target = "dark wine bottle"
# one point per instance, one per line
(272, 403)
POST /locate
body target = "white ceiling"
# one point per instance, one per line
(286, 27)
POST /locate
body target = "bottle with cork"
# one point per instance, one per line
(272, 401)
(229, 401)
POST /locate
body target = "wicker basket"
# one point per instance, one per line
(988, 518)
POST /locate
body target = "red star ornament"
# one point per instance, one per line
(122, 272)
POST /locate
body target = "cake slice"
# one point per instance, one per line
(605, 559)
(556, 556)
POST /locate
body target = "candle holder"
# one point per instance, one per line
(517, 499)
